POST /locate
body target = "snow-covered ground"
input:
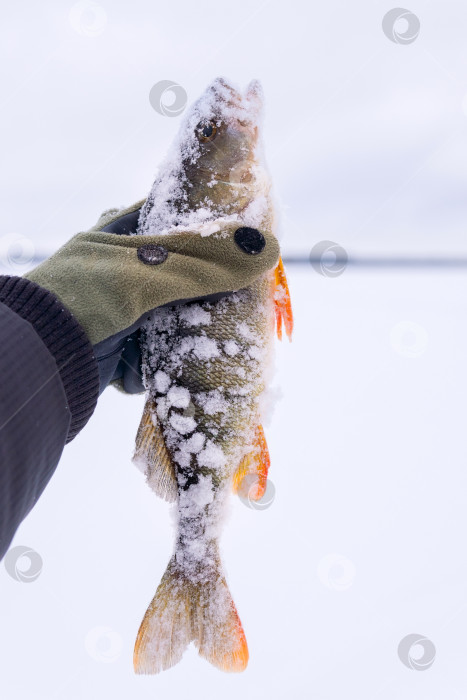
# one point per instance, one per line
(363, 544)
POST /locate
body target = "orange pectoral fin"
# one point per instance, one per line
(255, 465)
(282, 303)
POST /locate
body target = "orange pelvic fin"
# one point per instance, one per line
(282, 303)
(251, 477)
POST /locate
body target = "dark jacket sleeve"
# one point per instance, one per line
(49, 384)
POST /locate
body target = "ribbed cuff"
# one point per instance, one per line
(64, 338)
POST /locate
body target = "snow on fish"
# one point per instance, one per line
(206, 365)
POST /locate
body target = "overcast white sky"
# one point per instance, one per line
(366, 138)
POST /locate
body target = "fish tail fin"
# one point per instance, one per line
(218, 632)
(185, 610)
(166, 629)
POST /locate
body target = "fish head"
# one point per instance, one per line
(221, 151)
(215, 168)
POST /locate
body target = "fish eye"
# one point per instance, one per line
(206, 131)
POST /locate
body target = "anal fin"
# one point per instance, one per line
(255, 465)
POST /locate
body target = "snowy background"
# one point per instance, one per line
(364, 542)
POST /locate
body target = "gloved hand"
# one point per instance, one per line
(110, 282)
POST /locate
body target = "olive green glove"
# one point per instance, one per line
(110, 282)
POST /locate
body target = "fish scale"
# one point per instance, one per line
(220, 373)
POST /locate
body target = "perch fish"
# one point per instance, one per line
(206, 365)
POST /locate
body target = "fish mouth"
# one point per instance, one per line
(247, 105)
